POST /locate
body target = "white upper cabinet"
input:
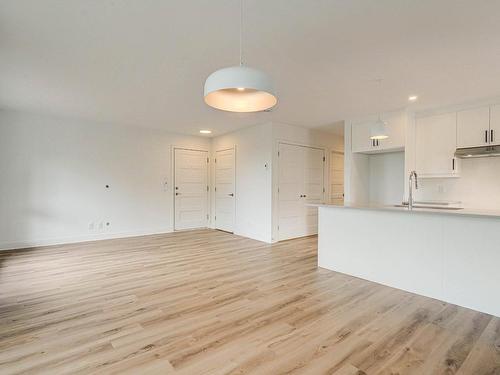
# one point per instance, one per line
(495, 124)
(396, 130)
(361, 141)
(435, 145)
(473, 127)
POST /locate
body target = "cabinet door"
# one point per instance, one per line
(361, 141)
(396, 130)
(473, 127)
(495, 124)
(435, 145)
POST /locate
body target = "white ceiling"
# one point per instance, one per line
(144, 62)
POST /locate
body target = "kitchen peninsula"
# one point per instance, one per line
(451, 255)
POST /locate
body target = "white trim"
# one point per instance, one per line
(77, 239)
(234, 186)
(173, 148)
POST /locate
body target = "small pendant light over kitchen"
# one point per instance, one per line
(240, 88)
(378, 129)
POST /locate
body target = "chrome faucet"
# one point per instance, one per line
(410, 191)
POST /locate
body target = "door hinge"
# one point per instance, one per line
(207, 216)
(215, 188)
(215, 160)
(207, 187)
(215, 218)
(324, 159)
(208, 160)
(278, 190)
(323, 190)
(278, 154)
(278, 227)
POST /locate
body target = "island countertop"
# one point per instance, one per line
(451, 255)
(438, 211)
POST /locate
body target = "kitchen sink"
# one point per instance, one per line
(432, 207)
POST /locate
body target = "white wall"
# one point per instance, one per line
(53, 174)
(387, 175)
(257, 168)
(253, 179)
(477, 187)
(54, 171)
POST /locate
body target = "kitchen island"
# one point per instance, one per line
(451, 255)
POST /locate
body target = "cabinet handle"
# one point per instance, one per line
(491, 136)
(486, 136)
(373, 142)
(453, 163)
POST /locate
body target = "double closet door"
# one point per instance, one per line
(301, 182)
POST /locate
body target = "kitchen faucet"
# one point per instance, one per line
(410, 191)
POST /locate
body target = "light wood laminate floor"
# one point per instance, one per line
(208, 302)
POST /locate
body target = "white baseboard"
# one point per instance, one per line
(77, 239)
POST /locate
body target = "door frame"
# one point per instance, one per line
(172, 178)
(234, 185)
(330, 176)
(276, 180)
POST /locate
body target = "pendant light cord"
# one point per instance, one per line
(379, 80)
(241, 32)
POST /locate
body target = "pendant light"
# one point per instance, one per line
(240, 88)
(378, 129)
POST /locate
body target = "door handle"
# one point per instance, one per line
(231, 195)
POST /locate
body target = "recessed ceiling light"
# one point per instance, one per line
(205, 131)
(412, 98)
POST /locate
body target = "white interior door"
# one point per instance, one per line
(301, 181)
(190, 189)
(337, 178)
(224, 190)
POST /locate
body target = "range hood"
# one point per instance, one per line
(477, 152)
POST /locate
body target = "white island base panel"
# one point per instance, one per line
(453, 258)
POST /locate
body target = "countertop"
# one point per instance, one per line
(437, 211)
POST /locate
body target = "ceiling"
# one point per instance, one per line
(143, 63)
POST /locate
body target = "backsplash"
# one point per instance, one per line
(478, 186)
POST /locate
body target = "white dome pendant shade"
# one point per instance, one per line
(240, 89)
(378, 130)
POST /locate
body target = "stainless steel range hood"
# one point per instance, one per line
(477, 152)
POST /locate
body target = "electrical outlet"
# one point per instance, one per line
(101, 226)
(441, 189)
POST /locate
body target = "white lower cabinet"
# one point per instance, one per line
(435, 145)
